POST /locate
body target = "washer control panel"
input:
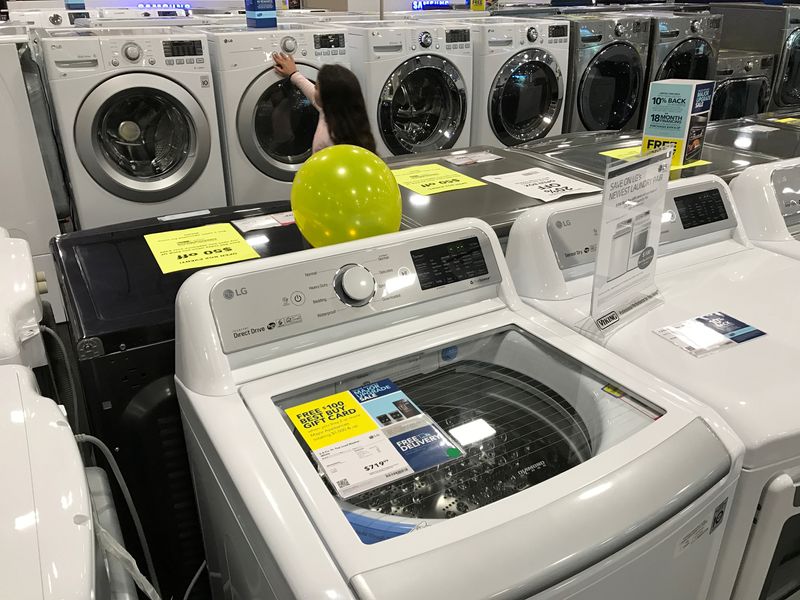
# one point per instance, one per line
(267, 306)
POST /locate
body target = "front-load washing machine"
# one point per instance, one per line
(404, 422)
(496, 205)
(774, 30)
(34, 193)
(591, 153)
(266, 123)
(138, 121)
(683, 46)
(707, 271)
(520, 79)
(609, 55)
(768, 200)
(417, 82)
(744, 84)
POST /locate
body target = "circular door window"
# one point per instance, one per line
(789, 77)
(422, 106)
(691, 59)
(142, 137)
(611, 88)
(526, 97)
(736, 98)
(276, 124)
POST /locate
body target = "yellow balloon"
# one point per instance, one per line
(345, 193)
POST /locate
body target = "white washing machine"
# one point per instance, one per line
(267, 124)
(49, 551)
(28, 210)
(417, 81)
(141, 13)
(138, 121)
(520, 78)
(706, 265)
(48, 17)
(470, 448)
(137, 21)
(768, 200)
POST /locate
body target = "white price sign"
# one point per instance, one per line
(542, 184)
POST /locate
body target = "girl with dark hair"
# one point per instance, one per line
(338, 98)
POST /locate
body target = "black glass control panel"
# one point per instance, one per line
(329, 40)
(448, 263)
(455, 36)
(183, 48)
(702, 208)
(555, 31)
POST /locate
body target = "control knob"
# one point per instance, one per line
(695, 26)
(425, 39)
(619, 30)
(748, 66)
(56, 19)
(355, 285)
(289, 45)
(532, 34)
(132, 52)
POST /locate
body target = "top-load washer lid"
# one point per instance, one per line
(768, 200)
(706, 266)
(773, 139)
(430, 426)
(45, 516)
(116, 294)
(496, 205)
(585, 154)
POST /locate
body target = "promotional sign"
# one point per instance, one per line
(477, 4)
(630, 230)
(204, 246)
(369, 436)
(433, 179)
(677, 115)
(710, 333)
(541, 184)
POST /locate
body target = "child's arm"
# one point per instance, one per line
(305, 86)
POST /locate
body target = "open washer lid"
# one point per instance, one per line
(439, 320)
(706, 265)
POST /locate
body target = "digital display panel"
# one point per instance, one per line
(454, 36)
(449, 263)
(330, 40)
(183, 48)
(702, 208)
(558, 31)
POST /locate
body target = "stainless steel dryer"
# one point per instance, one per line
(608, 55)
(684, 46)
(771, 29)
(744, 84)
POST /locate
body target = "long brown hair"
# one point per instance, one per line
(344, 107)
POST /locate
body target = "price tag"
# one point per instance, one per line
(434, 179)
(542, 184)
(198, 247)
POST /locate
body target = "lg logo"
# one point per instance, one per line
(231, 294)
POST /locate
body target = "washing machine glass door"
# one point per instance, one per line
(691, 59)
(526, 97)
(736, 98)
(422, 106)
(142, 137)
(611, 88)
(276, 124)
(788, 92)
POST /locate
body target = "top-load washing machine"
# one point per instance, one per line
(521, 68)
(683, 46)
(407, 429)
(768, 200)
(417, 82)
(591, 153)
(777, 140)
(609, 56)
(744, 84)
(266, 123)
(774, 30)
(707, 272)
(47, 17)
(138, 121)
